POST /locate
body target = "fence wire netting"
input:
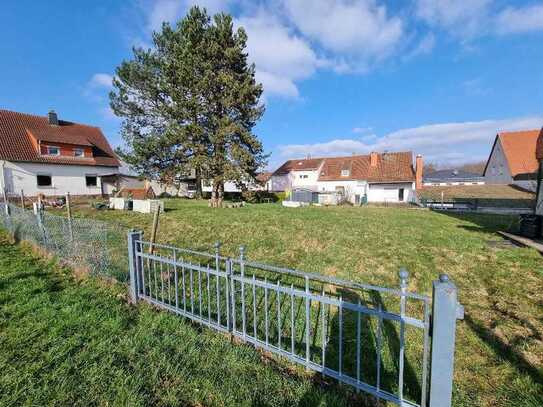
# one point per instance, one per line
(94, 245)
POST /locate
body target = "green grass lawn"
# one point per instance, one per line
(77, 342)
(499, 356)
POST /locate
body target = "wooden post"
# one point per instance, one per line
(154, 229)
(442, 200)
(69, 210)
(22, 199)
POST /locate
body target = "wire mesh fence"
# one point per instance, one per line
(97, 246)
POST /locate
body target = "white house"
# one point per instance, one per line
(377, 177)
(42, 154)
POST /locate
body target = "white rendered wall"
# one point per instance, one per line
(390, 192)
(65, 178)
(299, 179)
(351, 188)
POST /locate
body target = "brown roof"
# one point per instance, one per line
(20, 131)
(539, 147)
(520, 150)
(137, 193)
(307, 164)
(391, 167)
(263, 177)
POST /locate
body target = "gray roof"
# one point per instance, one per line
(452, 175)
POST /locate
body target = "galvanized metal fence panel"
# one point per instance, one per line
(97, 246)
(373, 338)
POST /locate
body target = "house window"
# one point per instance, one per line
(400, 194)
(345, 173)
(52, 150)
(44, 181)
(91, 180)
(304, 176)
(79, 152)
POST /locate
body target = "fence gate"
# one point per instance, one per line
(378, 340)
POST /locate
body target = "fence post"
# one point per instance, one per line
(6, 203)
(445, 311)
(69, 211)
(134, 237)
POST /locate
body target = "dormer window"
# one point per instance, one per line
(52, 150)
(345, 173)
(79, 152)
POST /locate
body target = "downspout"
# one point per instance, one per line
(2, 179)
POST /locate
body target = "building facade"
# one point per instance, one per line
(513, 161)
(452, 177)
(45, 155)
(376, 177)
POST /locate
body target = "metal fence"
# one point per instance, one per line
(99, 247)
(379, 340)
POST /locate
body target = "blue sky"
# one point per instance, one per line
(437, 77)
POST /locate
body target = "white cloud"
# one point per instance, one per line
(280, 56)
(520, 20)
(463, 18)
(163, 11)
(425, 46)
(103, 80)
(446, 142)
(358, 30)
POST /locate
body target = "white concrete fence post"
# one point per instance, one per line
(445, 311)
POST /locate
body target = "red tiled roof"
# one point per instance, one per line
(391, 167)
(520, 150)
(539, 147)
(20, 131)
(307, 164)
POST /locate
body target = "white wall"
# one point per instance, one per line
(390, 192)
(230, 186)
(301, 179)
(65, 178)
(351, 188)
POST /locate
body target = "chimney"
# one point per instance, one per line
(418, 172)
(53, 118)
(373, 159)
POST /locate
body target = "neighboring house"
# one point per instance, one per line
(377, 177)
(264, 179)
(513, 160)
(123, 178)
(539, 157)
(42, 154)
(260, 184)
(184, 185)
(452, 177)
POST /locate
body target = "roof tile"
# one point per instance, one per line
(18, 129)
(520, 149)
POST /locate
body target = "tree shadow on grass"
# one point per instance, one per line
(485, 222)
(505, 351)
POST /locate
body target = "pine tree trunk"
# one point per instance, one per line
(199, 193)
(220, 196)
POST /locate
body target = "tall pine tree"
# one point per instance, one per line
(191, 102)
